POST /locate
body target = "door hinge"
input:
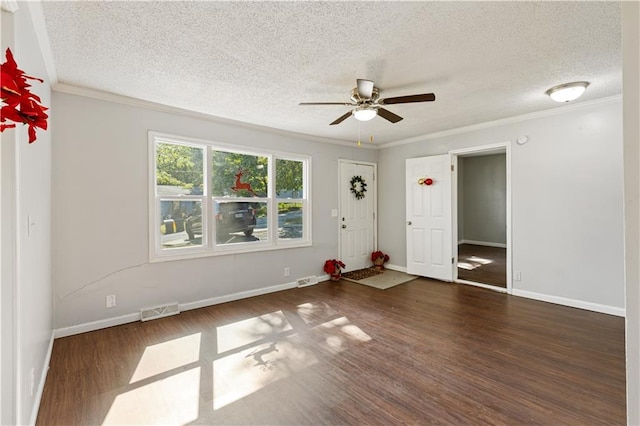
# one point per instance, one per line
(452, 167)
(453, 260)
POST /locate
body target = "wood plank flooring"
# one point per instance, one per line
(339, 353)
(482, 264)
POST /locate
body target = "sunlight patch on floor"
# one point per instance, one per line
(240, 374)
(473, 262)
(172, 400)
(312, 312)
(166, 356)
(338, 333)
(251, 330)
(479, 260)
(467, 266)
(244, 372)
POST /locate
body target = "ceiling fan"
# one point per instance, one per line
(366, 103)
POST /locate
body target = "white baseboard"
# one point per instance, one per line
(482, 243)
(236, 296)
(589, 306)
(96, 325)
(487, 286)
(396, 267)
(43, 379)
(132, 317)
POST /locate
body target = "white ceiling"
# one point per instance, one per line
(255, 61)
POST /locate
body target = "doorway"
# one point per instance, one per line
(481, 216)
(357, 213)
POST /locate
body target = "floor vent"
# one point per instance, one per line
(303, 282)
(156, 312)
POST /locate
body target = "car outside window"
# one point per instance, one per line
(208, 199)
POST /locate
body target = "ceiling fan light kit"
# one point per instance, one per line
(366, 103)
(364, 113)
(567, 92)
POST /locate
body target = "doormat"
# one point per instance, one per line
(361, 274)
(379, 279)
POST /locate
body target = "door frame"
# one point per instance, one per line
(485, 149)
(373, 188)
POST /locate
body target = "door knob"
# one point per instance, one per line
(408, 222)
(344, 226)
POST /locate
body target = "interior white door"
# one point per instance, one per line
(428, 211)
(357, 216)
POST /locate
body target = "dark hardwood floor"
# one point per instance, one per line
(336, 353)
(482, 264)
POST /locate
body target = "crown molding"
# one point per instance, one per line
(504, 121)
(10, 6)
(125, 100)
(112, 97)
(42, 36)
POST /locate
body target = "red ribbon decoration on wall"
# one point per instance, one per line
(20, 105)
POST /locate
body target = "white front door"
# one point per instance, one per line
(428, 215)
(357, 214)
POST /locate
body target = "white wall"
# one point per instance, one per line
(7, 250)
(567, 206)
(26, 194)
(100, 213)
(631, 84)
(484, 200)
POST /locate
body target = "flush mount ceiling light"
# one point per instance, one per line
(567, 92)
(364, 113)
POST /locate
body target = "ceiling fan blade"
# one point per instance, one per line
(365, 88)
(388, 115)
(325, 103)
(341, 118)
(425, 97)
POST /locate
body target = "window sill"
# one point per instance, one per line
(179, 254)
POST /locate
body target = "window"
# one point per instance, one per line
(208, 199)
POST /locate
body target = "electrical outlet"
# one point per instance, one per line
(111, 301)
(517, 276)
(286, 271)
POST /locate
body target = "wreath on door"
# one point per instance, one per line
(358, 187)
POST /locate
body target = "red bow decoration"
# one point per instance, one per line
(20, 105)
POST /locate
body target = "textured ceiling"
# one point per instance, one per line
(255, 61)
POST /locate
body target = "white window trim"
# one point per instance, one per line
(209, 248)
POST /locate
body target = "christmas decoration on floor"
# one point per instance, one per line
(333, 267)
(378, 258)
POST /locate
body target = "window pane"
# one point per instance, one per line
(289, 220)
(238, 175)
(289, 179)
(180, 223)
(179, 169)
(240, 221)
